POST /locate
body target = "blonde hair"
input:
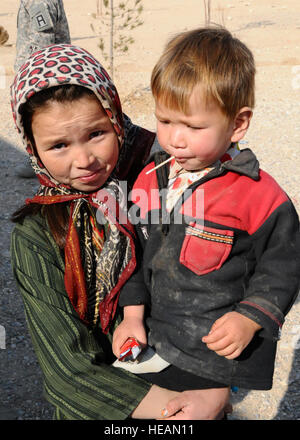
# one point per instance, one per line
(210, 57)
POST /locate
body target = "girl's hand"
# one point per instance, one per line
(231, 334)
(154, 400)
(210, 404)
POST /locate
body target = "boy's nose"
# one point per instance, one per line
(177, 139)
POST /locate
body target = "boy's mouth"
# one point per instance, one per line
(181, 159)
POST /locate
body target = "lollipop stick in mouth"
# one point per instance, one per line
(160, 165)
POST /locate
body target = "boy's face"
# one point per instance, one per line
(76, 143)
(196, 139)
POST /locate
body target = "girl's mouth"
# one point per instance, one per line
(90, 177)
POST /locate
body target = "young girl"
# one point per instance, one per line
(70, 253)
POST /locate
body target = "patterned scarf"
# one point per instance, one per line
(98, 251)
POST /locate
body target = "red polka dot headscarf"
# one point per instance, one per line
(64, 64)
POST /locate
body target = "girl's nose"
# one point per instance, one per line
(83, 157)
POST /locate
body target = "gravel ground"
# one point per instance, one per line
(274, 136)
(20, 380)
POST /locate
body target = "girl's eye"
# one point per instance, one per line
(59, 146)
(96, 134)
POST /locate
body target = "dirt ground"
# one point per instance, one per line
(271, 28)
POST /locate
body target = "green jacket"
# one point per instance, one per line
(78, 378)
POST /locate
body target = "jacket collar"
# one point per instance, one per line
(244, 163)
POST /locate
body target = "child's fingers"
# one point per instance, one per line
(142, 338)
(225, 348)
(116, 351)
(234, 355)
(118, 341)
(227, 351)
(218, 323)
(220, 345)
(230, 352)
(116, 348)
(214, 335)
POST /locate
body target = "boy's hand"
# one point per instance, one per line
(230, 334)
(131, 326)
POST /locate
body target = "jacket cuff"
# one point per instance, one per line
(134, 292)
(263, 313)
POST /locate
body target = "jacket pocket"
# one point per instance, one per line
(205, 249)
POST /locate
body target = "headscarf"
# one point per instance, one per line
(98, 259)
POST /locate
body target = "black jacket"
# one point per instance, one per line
(238, 248)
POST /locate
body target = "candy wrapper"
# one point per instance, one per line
(137, 360)
(130, 350)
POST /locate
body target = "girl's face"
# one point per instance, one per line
(76, 142)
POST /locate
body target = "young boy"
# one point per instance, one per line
(222, 280)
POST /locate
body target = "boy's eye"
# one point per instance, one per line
(194, 128)
(96, 134)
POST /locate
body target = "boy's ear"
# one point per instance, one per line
(241, 124)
